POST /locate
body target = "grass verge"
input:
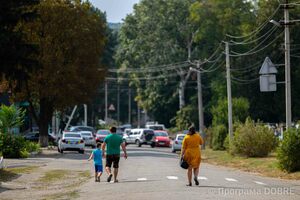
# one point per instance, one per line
(8, 174)
(265, 166)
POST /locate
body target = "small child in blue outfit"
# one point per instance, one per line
(97, 155)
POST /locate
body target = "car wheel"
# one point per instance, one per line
(138, 143)
(173, 151)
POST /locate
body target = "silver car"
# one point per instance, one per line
(88, 138)
(71, 141)
(177, 143)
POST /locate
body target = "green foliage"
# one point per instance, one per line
(240, 108)
(13, 146)
(185, 117)
(10, 117)
(252, 140)
(209, 137)
(289, 151)
(219, 135)
(32, 147)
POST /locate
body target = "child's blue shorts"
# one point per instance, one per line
(98, 168)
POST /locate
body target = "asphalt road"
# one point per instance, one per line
(150, 173)
(154, 173)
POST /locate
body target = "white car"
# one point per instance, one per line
(88, 138)
(71, 141)
(140, 136)
(177, 143)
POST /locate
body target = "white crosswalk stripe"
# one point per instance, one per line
(259, 183)
(141, 179)
(202, 178)
(230, 179)
(172, 177)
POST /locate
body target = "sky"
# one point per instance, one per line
(116, 10)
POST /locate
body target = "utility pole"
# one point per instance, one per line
(229, 99)
(200, 103)
(85, 114)
(129, 105)
(118, 105)
(105, 119)
(139, 115)
(287, 67)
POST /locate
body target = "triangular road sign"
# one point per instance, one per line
(268, 67)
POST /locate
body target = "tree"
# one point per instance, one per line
(10, 117)
(15, 53)
(71, 38)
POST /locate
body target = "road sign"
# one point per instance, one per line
(268, 67)
(111, 107)
(267, 83)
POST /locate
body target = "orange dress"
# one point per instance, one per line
(192, 149)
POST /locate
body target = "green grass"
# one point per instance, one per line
(63, 195)
(54, 175)
(267, 166)
(8, 174)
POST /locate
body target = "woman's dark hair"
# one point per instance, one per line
(192, 130)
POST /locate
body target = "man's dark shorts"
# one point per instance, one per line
(112, 159)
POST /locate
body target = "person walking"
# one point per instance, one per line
(113, 143)
(97, 155)
(191, 153)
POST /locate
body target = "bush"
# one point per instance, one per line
(13, 146)
(32, 147)
(252, 140)
(219, 135)
(289, 151)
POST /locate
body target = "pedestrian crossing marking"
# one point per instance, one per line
(141, 179)
(202, 178)
(259, 183)
(172, 177)
(230, 179)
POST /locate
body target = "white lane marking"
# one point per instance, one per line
(230, 179)
(259, 183)
(202, 178)
(172, 177)
(141, 179)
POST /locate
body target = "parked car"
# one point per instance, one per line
(34, 137)
(155, 126)
(71, 141)
(88, 138)
(101, 134)
(177, 143)
(82, 128)
(140, 137)
(162, 139)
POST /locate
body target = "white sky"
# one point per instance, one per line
(116, 10)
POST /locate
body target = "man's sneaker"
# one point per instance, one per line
(109, 178)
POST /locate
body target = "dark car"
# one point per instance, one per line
(34, 137)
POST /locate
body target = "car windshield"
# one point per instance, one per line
(103, 132)
(180, 137)
(164, 134)
(86, 129)
(156, 127)
(86, 134)
(72, 135)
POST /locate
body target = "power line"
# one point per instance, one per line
(251, 52)
(251, 34)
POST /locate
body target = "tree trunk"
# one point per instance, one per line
(46, 111)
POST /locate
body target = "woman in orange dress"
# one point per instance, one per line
(191, 153)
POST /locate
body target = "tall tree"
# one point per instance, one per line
(15, 53)
(71, 40)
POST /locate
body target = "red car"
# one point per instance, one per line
(101, 134)
(161, 138)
